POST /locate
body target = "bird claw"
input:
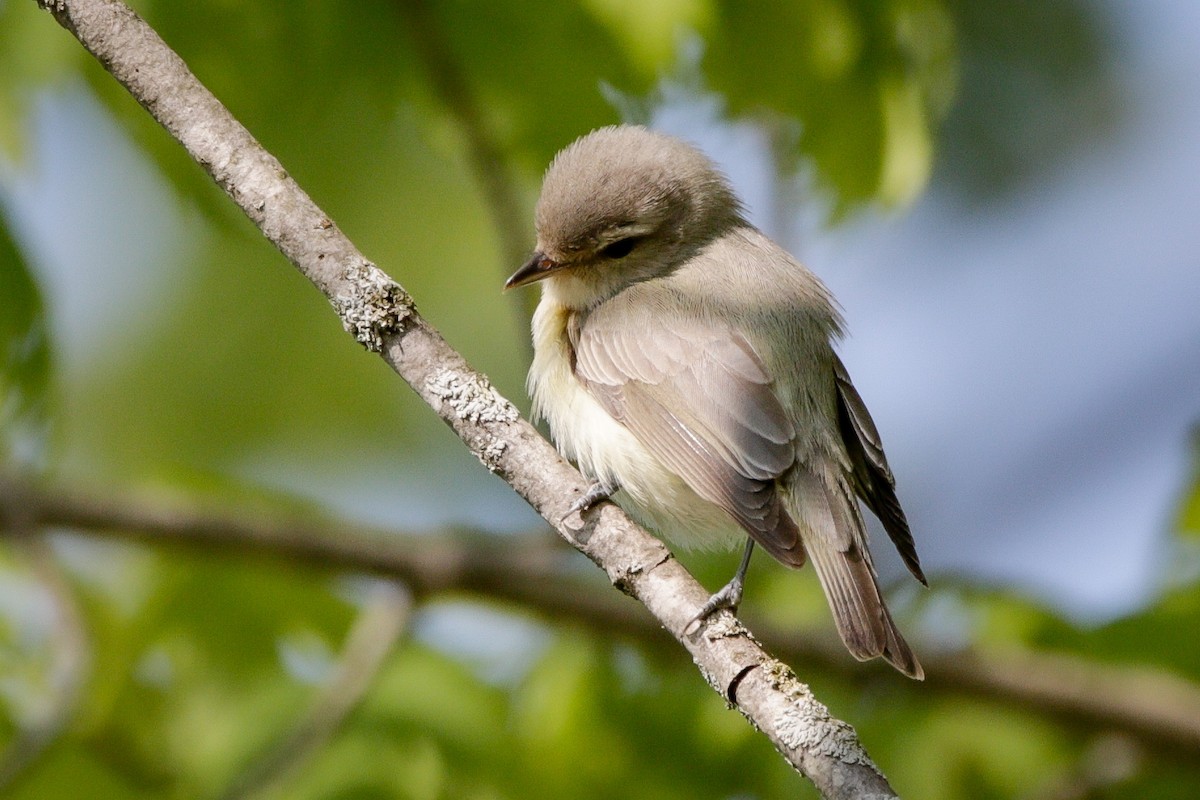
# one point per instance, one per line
(729, 596)
(596, 493)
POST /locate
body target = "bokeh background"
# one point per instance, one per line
(1003, 195)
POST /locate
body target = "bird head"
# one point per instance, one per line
(620, 205)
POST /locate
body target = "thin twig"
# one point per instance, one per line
(376, 630)
(382, 316)
(487, 158)
(71, 653)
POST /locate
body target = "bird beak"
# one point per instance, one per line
(535, 269)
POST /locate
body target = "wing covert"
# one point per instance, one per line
(695, 393)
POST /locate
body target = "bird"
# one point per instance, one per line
(684, 361)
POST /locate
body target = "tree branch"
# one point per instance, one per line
(1159, 709)
(382, 316)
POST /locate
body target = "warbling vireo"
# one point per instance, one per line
(684, 359)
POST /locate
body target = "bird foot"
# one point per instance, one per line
(729, 596)
(596, 493)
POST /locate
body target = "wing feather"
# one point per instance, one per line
(873, 480)
(697, 396)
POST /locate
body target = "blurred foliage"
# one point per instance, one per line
(241, 379)
(1037, 84)
(1189, 511)
(869, 83)
(25, 361)
(31, 53)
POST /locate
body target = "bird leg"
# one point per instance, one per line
(728, 596)
(598, 492)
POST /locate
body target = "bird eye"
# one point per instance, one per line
(620, 248)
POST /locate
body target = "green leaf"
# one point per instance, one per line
(868, 82)
(649, 32)
(25, 359)
(1189, 513)
(1188, 518)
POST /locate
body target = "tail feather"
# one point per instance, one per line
(834, 536)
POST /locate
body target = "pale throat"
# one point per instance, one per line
(569, 290)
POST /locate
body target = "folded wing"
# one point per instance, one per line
(696, 395)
